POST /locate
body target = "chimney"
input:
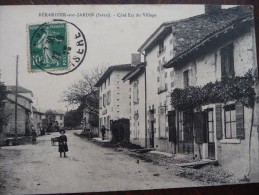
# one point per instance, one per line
(135, 59)
(212, 9)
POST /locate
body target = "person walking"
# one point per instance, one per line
(62, 147)
(103, 129)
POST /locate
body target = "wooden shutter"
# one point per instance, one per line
(198, 127)
(135, 92)
(172, 126)
(219, 133)
(240, 120)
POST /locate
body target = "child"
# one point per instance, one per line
(62, 147)
(33, 137)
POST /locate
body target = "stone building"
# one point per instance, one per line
(193, 52)
(114, 95)
(137, 80)
(38, 115)
(24, 111)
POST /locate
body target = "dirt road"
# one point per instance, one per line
(89, 168)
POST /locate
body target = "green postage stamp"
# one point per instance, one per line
(48, 47)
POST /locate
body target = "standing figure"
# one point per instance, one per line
(33, 136)
(62, 147)
(103, 131)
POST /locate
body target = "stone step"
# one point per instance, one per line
(197, 164)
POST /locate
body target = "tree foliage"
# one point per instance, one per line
(229, 89)
(84, 94)
(73, 118)
(120, 130)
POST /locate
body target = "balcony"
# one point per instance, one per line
(162, 89)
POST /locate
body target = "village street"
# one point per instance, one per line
(89, 167)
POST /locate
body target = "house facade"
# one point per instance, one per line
(37, 119)
(137, 81)
(114, 98)
(192, 53)
(24, 111)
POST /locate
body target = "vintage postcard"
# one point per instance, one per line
(98, 98)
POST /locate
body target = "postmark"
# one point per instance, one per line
(52, 50)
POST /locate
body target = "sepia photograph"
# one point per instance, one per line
(106, 98)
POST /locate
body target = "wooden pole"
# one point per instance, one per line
(16, 87)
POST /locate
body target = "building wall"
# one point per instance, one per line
(22, 117)
(37, 122)
(233, 154)
(137, 125)
(119, 106)
(60, 120)
(162, 80)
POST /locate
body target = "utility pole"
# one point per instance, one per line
(16, 87)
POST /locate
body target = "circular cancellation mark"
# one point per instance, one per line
(53, 51)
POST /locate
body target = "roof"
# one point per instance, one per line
(22, 96)
(37, 110)
(189, 33)
(135, 72)
(19, 89)
(107, 73)
(12, 101)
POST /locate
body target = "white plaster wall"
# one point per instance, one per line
(119, 96)
(152, 84)
(140, 107)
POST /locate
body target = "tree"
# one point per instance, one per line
(73, 118)
(84, 94)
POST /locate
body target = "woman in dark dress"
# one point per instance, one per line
(62, 147)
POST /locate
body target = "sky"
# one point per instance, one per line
(110, 41)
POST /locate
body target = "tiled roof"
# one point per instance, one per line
(137, 70)
(190, 32)
(107, 73)
(19, 89)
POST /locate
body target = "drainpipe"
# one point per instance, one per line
(145, 100)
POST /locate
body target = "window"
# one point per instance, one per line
(165, 74)
(186, 78)
(104, 100)
(227, 61)
(157, 79)
(158, 68)
(161, 47)
(105, 84)
(108, 97)
(172, 84)
(230, 121)
(210, 125)
(109, 80)
(135, 92)
(100, 102)
(60, 117)
(101, 88)
(180, 126)
(171, 73)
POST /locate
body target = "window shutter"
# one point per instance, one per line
(172, 127)
(240, 120)
(205, 126)
(219, 132)
(198, 124)
(135, 93)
